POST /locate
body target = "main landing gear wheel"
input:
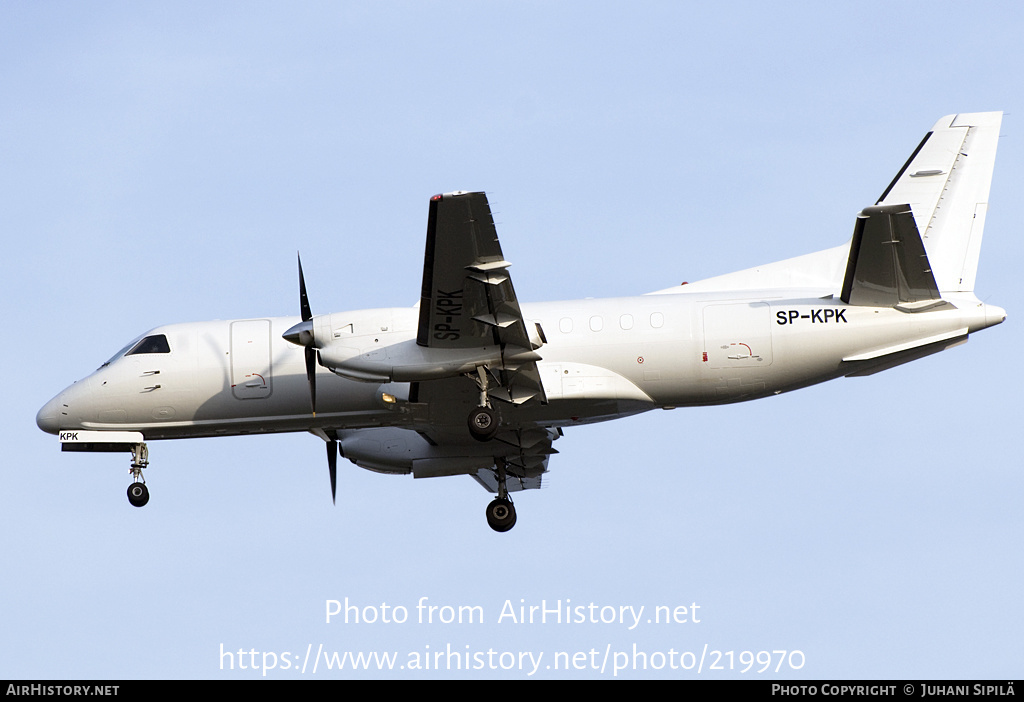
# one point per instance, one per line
(483, 423)
(501, 514)
(138, 494)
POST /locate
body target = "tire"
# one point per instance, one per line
(501, 515)
(483, 423)
(138, 494)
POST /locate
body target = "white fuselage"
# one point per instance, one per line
(473, 382)
(602, 359)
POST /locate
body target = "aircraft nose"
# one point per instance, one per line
(48, 418)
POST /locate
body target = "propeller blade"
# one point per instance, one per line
(307, 314)
(302, 334)
(332, 466)
(311, 363)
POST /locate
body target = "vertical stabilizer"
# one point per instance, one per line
(946, 183)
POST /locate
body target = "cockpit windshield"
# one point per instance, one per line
(151, 344)
(157, 343)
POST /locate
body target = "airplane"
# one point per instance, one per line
(471, 382)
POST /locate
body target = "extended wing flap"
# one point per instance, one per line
(524, 449)
(524, 464)
(489, 482)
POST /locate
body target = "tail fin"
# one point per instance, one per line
(946, 183)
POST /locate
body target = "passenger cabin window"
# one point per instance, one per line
(657, 319)
(151, 344)
(565, 325)
(626, 321)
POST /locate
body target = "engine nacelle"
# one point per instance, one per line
(407, 361)
(379, 346)
(403, 451)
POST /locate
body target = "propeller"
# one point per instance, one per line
(302, 335)
(310, 352)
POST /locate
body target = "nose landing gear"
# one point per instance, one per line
(138, 493)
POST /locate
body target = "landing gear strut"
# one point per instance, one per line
(138, 493)
(483, 422)
(501, 513)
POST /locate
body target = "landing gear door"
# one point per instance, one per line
(251, 372)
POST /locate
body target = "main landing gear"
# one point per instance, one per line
(482, 421)
(501, 513)
(138, 493)
(483, 425)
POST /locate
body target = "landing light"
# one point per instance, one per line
(388, 399)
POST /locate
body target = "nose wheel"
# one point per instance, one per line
(138, 493)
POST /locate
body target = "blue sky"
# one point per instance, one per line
(163, 163)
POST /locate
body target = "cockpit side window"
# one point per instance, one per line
(151, 344)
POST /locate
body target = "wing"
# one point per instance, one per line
(467, 299)
(437, 443)
(467, 302)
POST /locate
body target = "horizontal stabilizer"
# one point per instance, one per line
(956, 334)
(888, 265)
(883, 359)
